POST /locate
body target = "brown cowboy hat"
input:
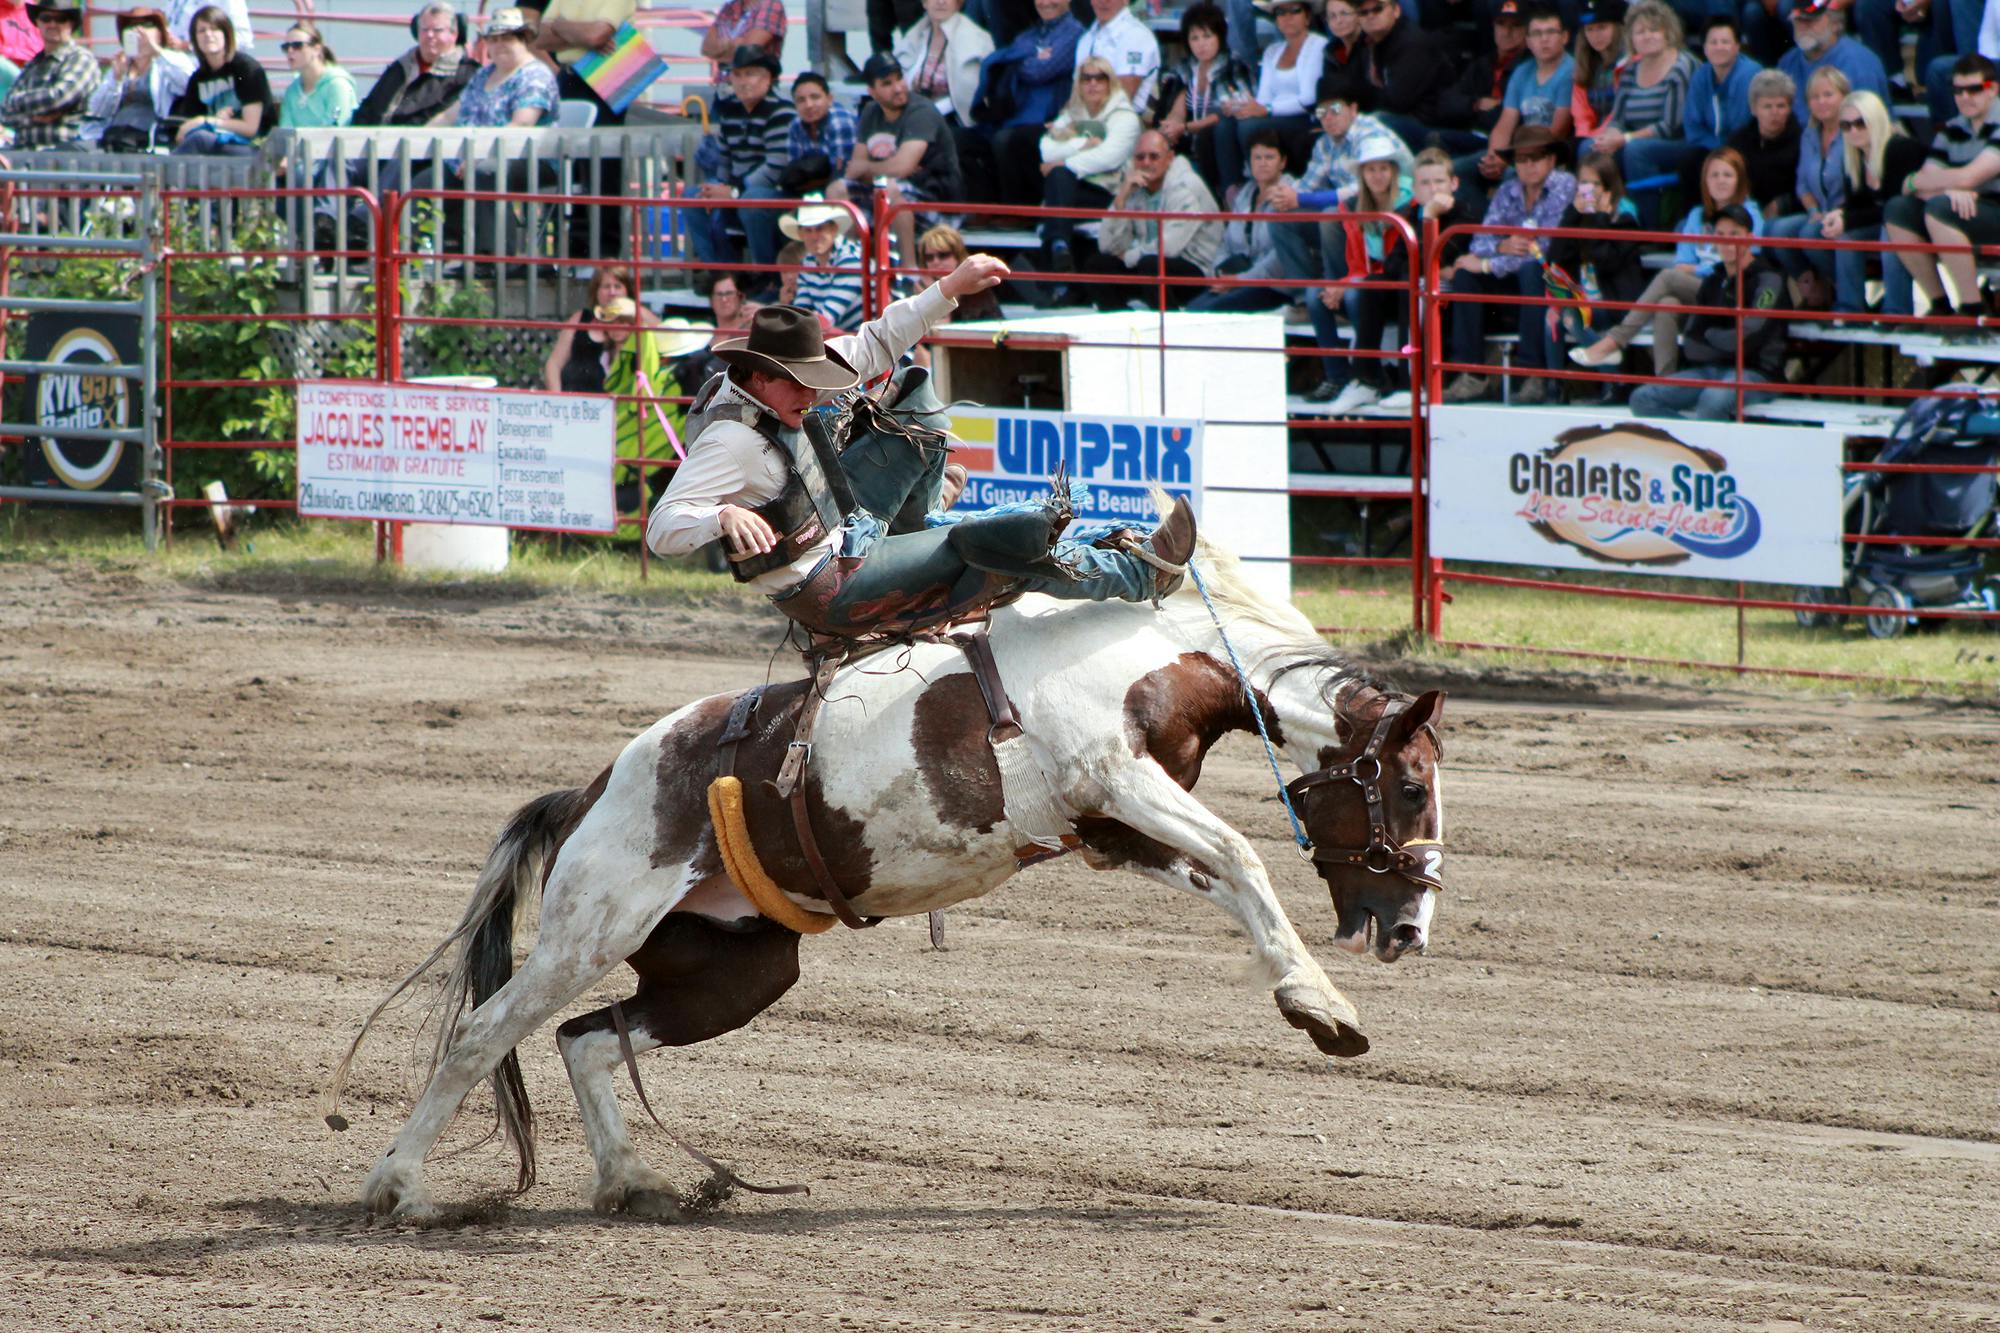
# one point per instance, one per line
(1538, 139)
(786, 340)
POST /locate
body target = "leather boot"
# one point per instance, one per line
(955, 478)
(1172, 543)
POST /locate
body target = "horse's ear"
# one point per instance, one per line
(1424, 711)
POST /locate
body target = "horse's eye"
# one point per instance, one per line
(1415, 793)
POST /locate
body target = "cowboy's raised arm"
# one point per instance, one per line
(880, 344)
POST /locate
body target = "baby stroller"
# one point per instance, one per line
(1955, 431)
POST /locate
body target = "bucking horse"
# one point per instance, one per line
(926, 782)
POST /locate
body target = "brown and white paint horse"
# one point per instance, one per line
(905, 799)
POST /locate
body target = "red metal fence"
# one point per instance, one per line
(657, 257)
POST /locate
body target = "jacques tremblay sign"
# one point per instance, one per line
(1700, 499)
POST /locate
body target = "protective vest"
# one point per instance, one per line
(815, 499)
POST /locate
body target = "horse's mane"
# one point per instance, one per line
(1290, 642)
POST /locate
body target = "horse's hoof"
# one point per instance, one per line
(1330, 1034)
(658, 1205)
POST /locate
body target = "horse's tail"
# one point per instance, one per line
(484, 938)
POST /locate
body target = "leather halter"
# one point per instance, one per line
(1383, 854)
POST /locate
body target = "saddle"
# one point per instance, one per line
(1051, 832)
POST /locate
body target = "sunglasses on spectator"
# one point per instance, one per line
(1968, 89)
(1149, 157)
(1854, 124)
(1093, 78)
(293, 46)
(1370, 11)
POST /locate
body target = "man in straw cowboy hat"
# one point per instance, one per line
(764, 475)
(47, 104)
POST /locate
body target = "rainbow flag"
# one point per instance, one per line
(629, 70)
(1561, 286)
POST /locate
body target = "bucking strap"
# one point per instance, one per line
(978, 650)
(735, 730)
(791, 785)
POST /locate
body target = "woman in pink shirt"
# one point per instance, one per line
(20, 40)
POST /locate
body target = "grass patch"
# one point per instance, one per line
(1964, 658)
(283, 555)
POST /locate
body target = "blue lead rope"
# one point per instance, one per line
(1243, 677)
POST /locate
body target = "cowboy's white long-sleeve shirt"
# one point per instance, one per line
(729, 462)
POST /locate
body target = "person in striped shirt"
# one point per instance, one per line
(743, 159)
(1954, 198)
(829, 283)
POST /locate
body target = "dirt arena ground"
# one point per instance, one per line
(1709, 1036)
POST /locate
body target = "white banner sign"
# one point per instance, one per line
(1700, 499)
(1011, 454)
(433, 454)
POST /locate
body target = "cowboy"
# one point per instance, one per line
(46, 106)
(764, 475)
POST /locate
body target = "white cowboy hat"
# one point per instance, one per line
(677, 337)
(814, 212)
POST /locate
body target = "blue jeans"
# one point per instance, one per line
(1686, 400)
(1795, 262)
(1767, 37)
(205, 142)
(1326, 325)
(707, 228)
(1468, 318)
(1850, 280)
(1245, 39)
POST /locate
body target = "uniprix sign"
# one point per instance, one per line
(1696, 498)
(1012, 454)
(1634, 494)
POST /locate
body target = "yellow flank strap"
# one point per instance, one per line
(739, 858)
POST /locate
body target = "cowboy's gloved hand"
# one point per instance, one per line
(976, 274)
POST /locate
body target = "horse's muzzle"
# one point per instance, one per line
(1387, 924)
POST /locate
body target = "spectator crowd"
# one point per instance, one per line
(1252, 128)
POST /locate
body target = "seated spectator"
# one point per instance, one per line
(425, 79)
(945, 48)
(903, 148)
(941, 250)
(1644, 126)
(1330, 181)
(1817, 34)
(1538, 94)
(1344, 40)
(180, 22)
(1709, 347)
(1879, 160)
(1195, 95)
(1287, 79)
(1724, 185)
(512, 87)
(1084, 156)
(743, 159)
(820, 141)
(1254, 245)
(575, 363)
(567, 31)
(1120, 37)
(1479, 94)
(1158, 181)
(1023, 88)
(322, 94)
(634, 347)
(1535, 199)
(1953, 199)
(129, 110)
(1718, 101)
(829, 283)
(1820, 186)
(1600, 52)
(1404, 75)
(758, 23)
(1605, 268)
(1956, 29)
(226, 106)
(50, 99)
(1379, 266)
(1769, 144)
